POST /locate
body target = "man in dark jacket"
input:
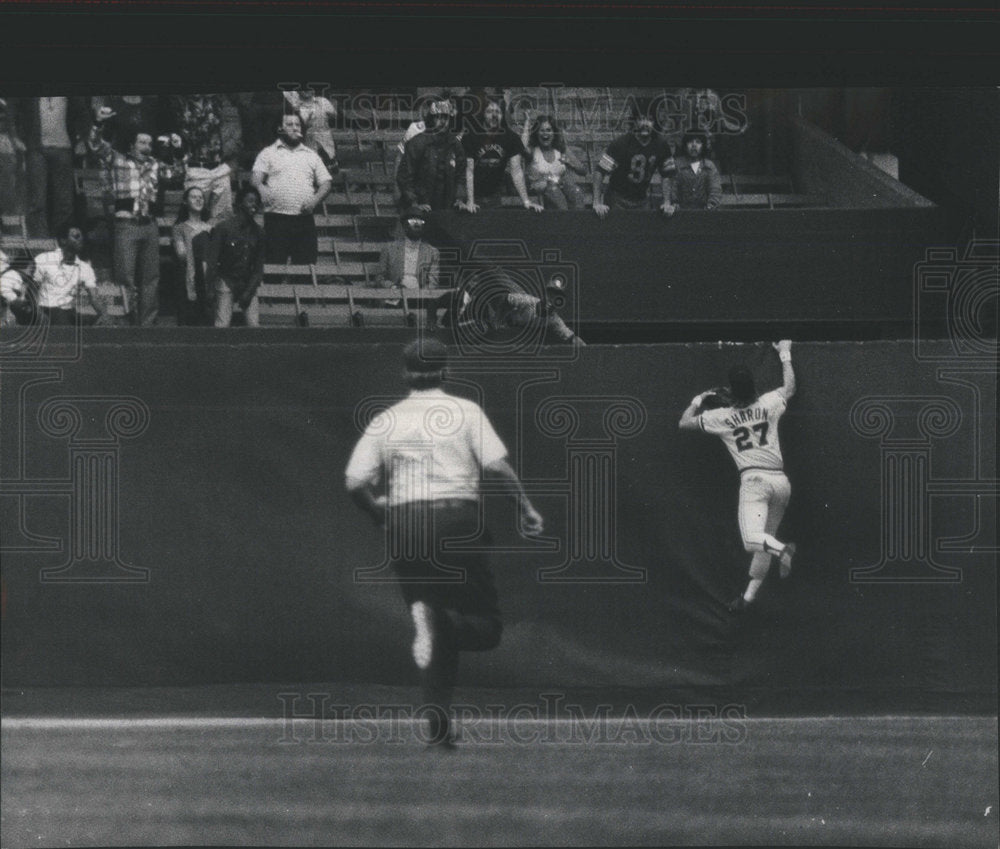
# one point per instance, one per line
(432, 162)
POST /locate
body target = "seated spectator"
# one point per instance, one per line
(198, 120)
(432, 162)
(190, 237)
(61, 274)
(697, 183)
(16, 303)
(292, 180)
(409, 262)
(492, 149)
(236, 261)
(627, 168)
(316, 114)
(548, 163)
(131, 195)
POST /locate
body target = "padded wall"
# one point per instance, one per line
(232, 499)
(836, 266)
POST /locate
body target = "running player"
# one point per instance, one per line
(748, 425)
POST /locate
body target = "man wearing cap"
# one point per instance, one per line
(409, 262)
(697, 183)
(416, 471)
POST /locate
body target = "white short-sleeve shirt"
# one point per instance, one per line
(293, 176)
(750, 433)
(430, 445)
(59, 281)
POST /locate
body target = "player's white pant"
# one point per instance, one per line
(763, 498)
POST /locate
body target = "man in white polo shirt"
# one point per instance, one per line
(61, 274)
(292, 181)
(428, 453)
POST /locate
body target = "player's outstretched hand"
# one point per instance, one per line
(783, 345)
(531, 522)
(601, 209)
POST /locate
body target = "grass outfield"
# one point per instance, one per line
(880, 781)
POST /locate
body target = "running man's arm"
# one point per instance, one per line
(784, 349)
(363, 494)
(531, 519)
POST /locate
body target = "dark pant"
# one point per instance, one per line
(458, 586)
(58, 316)
(137, 267)
(289, 237)
(50, 190)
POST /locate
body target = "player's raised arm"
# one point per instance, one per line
(784, 349)
(689, 418)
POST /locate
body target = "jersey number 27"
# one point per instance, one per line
(744, 440)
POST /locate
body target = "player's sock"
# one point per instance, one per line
(423, 638)
(785, 559)
(772, 545)
(751, 591)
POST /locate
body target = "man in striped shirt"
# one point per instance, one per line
(131, 183)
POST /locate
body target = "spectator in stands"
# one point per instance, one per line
(15, 301)
(198, 120)
(492, 149)
(316, 114)
(190, 238)
(292, 180)
(409, 262)
(697, 183)
(236, 261)
(628, 165)
(131, 193)
(130, 113)
(432, 162)
(549, 161)
(48, 127)
(11, 164)
(61, 274)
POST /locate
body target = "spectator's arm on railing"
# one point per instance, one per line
(714, 187)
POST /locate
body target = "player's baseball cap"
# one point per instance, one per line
(425, 356)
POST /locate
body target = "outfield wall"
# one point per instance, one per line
(231, 497)
(823, 265)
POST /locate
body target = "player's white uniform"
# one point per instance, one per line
(751, 435)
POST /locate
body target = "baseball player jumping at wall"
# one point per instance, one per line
(748, 425)
(428, 452)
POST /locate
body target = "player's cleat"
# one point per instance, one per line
(785, 559)
(737, 605)
(423, 639)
